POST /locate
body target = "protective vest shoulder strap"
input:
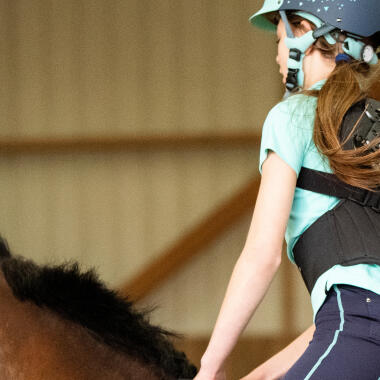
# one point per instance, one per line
(329, 184)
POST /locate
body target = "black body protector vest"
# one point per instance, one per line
(349, 233)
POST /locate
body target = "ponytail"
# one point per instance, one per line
(346, 85)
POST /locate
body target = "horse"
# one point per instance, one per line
(58, 323)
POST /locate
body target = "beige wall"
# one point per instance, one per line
(124, 66)
(134, 67)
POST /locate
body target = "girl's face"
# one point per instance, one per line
(282, 51)
(315, 66)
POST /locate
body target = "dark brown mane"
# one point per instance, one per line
(81, 298)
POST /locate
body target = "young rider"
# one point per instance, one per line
(319, 161)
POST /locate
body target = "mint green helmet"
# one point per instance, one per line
(359, 18)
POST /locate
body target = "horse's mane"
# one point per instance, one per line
(82, 298)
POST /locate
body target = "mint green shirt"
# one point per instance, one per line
(288, 131)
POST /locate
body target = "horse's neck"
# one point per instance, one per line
(36, 344)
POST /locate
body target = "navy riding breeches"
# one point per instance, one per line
(346, 342)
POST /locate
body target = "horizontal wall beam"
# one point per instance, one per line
(124, 143)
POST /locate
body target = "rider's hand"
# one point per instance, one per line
(204, 374)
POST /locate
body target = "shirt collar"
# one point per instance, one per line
(318, 85)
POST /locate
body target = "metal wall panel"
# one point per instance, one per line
(108, 67)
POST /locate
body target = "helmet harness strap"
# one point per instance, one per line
(298, 46)
(360, 51)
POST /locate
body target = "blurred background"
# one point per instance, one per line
(129, 141)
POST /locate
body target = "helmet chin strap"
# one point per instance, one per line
(298, 46)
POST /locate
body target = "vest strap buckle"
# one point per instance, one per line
(368, 199)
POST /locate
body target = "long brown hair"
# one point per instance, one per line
(347, 84)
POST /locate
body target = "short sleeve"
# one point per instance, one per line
(287, 131)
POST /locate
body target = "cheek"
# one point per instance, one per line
(282, 53)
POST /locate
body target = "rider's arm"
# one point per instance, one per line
(257, 263)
